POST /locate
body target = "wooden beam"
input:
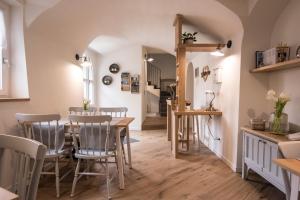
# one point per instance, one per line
(178, 30)
(180, 79)
(202, 47)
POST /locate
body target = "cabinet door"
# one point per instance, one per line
(269, 167)
(253, 151)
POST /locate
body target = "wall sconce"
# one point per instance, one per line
(219, 52)
(84, 60)
(148, 59)
(298, 52)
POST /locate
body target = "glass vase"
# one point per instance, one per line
(279, 125)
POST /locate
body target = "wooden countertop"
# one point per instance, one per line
(198, 112)
(292, 165)
(266, 135)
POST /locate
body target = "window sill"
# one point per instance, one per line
(14, 99)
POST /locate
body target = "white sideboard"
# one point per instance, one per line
(259, 149)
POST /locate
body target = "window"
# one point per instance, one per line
(88, 83)
(3, 51)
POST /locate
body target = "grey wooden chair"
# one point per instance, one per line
(116, 112)
(81, 111)
(46, 129)
(96, 144)
(28, 158)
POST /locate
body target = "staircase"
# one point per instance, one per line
(153, 80)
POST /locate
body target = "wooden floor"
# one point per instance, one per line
(156, 175)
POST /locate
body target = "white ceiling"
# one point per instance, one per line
(107, 25)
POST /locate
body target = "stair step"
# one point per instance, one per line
(154, 123)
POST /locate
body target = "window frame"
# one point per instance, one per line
(4, 91)
(87, 81)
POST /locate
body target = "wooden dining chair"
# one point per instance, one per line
(46, 129)
(288, 150)
(117, 112)
(97, 143)
(81, 111)
(27, 162)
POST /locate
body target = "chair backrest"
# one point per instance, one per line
(94, 134)
(28, 158)
(81, 111)
(114, 111)
(43, 128)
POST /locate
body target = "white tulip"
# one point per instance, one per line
(271, 95)
(284, 97)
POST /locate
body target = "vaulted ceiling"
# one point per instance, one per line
(116, 23)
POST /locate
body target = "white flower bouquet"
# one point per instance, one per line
(280, 102)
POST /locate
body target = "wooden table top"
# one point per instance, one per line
(292, 165)
(198, 112)
(116, 121)
(266, 135)
(7, 195)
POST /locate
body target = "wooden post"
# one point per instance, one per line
(180, 79)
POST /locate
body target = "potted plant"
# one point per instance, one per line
(278, 120)
(189, 38)
(86, 104)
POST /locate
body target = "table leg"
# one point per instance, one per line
(294, 187)
(120, 160)
(128, 147)
(188, 133)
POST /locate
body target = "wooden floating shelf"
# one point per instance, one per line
(201, 47)
(278, 66)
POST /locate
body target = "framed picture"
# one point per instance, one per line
(135, 84)
(125, 81)
(259, 59)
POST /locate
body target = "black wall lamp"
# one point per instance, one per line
(219, 52)
(85, 61)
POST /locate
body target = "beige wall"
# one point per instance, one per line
(287, 30)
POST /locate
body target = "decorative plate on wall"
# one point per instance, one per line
(107, 80)
(114, 68)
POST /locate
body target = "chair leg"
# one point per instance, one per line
(57, 177)
(107, 180)
(75, 178)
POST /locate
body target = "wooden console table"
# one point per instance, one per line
(176, 116)
(259, 149)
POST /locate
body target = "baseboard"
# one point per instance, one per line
(231, 165)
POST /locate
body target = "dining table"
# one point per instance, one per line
(7, 195)
(119, 123)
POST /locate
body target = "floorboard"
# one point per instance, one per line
(156, 175)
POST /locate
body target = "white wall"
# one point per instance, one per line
(287, 30)
(227, 99)
(130, 60)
